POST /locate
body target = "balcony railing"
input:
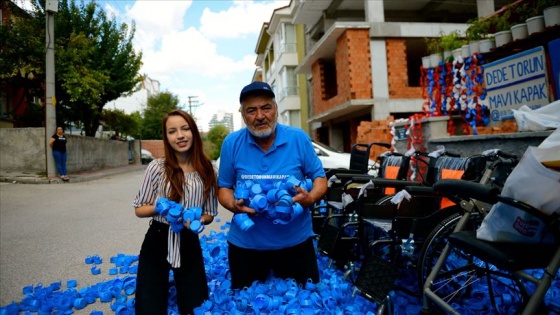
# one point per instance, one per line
(288, 48)
(289, 91)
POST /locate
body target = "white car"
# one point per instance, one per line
(332, 158)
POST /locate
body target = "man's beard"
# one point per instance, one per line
(263, 134)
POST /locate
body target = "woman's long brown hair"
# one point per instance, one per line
(200, 162)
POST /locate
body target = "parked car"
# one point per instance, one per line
(147, 156)
(333, 158)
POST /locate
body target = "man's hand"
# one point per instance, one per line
(239, 207)
(303, 197)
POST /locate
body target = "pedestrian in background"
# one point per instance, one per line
(186, 176)
(264, 150)
(58, 145)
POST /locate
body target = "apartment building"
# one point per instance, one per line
(280, 47)
(360, 59)
(222, 118)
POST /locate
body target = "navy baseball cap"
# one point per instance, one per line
(256, 87)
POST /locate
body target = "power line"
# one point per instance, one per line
(193, 102)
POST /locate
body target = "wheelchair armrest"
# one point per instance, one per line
(466, 190)
(382, 182)
(420, 190)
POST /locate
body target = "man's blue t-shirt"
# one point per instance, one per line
(292, 154)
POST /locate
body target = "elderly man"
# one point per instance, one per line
(267, 153)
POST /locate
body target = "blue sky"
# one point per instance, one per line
(196, 48)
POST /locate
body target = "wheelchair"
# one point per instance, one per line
(515, 277)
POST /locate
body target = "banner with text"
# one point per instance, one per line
(520, 79)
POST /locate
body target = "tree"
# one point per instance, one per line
(119, 121)
(216, 136)
(95, 61)
(158, 105)
(22, 56)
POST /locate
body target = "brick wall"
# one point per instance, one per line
(353, 72)
(397, 70)
(155, 147)
(375, 131)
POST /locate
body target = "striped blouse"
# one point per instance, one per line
(154, 187)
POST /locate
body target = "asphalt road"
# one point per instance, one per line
(47, 231)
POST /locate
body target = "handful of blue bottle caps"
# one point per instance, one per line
(177, 215)
(273, 199)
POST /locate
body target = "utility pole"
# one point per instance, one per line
(51, 8)
(193, 102)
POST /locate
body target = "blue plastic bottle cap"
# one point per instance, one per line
(79, 303)
(243, 221)
(195, 225)
(260, 200)
(105, 297)
(197, 212)
(286, 200)
(71, 283)
(55, 286)
(27, 289)
(271, 195)
(133, 269)
(283, 209)
(96, 259)
(298, 209)
(292, 181)
(175, 211)
(256, 189)
(188, 215)
(113, 271)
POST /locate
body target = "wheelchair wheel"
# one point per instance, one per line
(433, 246)
(465, 281)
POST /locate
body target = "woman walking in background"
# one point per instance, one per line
(58, 145)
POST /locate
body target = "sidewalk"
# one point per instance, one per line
(20, 177)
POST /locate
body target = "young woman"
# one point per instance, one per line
(186, 176)
(58, 145)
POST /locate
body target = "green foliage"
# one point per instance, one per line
(158, 105)
(95, 62)
(118, 120)
(432, 44)
(478, 29)
(22, 56)
(540, 5)
(33, 116)
(451, 41)
(216, 136)
(502, 20)
(137, 118)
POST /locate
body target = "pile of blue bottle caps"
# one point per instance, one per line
(177, 215)
(270, 198)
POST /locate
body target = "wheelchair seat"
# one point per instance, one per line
(506, 256)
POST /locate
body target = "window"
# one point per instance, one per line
(289, 81)
(329, 79)
(415, 49)
(287, 38)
